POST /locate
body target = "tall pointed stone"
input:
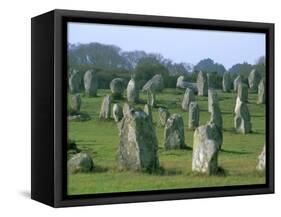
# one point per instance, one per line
(261, 92)
(91, 83)
(254, 80)
(236, 82)
(132, 91)
(242, 119)
(105, 111)
(187, 98)
(75, 104)
(117, 112)
(202, 84)
(262, 160)
(226, 82)
(193, 115)
(74, 82)
(117, 88)
(242, 92)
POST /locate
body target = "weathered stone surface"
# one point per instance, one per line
(242, 119)
(214, 108)
(262, 160)
(184, 84)
(212, 99)
(261, 92)
(132, 91)
(106, 108)
(236, 82)
(148, 110)
(202, 84)
(193, 115)
(117, 112)
(226, 82)
(242, 92)
(74, 82)
(164, 114)
(91, 83)
(75, 104)
(254, 80)
(80, 163)
(174, 133)
(151, 98)
(138, 143)
(156, 83)
(205, 149)
(187, 98)
(211, 80)
(117, 87)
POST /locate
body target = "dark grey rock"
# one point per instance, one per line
(80, 163)
(193, 115)
(187, 98)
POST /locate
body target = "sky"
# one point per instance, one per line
(179, 45)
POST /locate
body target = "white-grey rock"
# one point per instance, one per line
(226, 82)
(164, 114)
(80, 163)
(261, 92)
(254, 80)
(212, 99)
(187, 98)
(117, 112)
(261, 160)
(236, 82)
(184, 84)
(193, 115)
(74, 82)
(242, 92)
(242, 119)
(138, 143)
(205, 149)
(91, 83)
(202, 84)
(105, 111)
(156, 83)
(174, 133)
(132, 91)
(117, 87)
(75, 104)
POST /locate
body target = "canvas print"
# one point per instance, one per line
(154, 108)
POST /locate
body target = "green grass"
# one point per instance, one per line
(238, 156)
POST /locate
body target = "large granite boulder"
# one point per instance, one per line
(206, 145)
(174, 133)
(117, 87)
(202, 84)
(132, 91)
(138, 143)
(187, 98)
(261, 92)
(262, 160)
(164, 114)
(184, 84)
(105, 111)
(75, 104)
(226, 82)
(254, 80)
(80, 163)
(193, 115)
(242, 92)
(74, 82)
(117, 112)
(242, 119)
(236, 82)
(156, 83)
(91, 83)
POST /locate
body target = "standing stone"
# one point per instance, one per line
(242, 119)
(211, 80)
(164, 114)
(105, 108)
(148, 110)
(193, 115)
(151, 98)
(155, 84)
(216, 116)
(174, 133)
(226, 82)
(212, 99)
(242, 92)
(80, 163)
(205, 149)
(184, 84)
(117, 112)
(261, 92)
(187, 98)
(75, 104)
(74, 82)
(236, 82)
(254, 80)
(132, 91)
(262, 160)
(202, 84)
(117, 87)
(138, 143)
(91, 83)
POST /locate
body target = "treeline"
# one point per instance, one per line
(110, 62)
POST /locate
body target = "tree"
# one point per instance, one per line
(208, 65)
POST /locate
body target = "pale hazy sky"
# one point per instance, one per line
(179, 45)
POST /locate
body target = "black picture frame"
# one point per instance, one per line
(49, 115)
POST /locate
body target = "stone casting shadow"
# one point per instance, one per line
(235, 152)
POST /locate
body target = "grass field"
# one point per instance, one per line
(238, 156)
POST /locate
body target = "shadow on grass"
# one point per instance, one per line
(167, 171)
(234, 152)
(100, 169)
